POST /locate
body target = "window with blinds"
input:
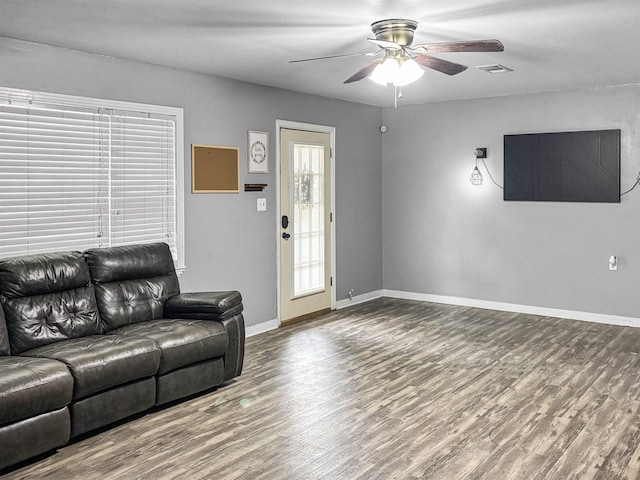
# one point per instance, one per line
(77, 173)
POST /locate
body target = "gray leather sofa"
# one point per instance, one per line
(87, 339)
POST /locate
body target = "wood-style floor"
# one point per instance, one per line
(395, 389)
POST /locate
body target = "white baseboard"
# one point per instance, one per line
(262, 327)
(365, 297)
(274, 324)
(516, 308)
(466, 302)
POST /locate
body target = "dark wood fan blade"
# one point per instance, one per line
(364, 72)
(369, 54)
(386, 44)
(440, 65)
(469, 46)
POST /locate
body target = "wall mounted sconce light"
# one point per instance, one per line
(476, 176)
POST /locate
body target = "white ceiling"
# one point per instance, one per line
(551, 44)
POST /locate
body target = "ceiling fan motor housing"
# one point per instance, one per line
(396, 30)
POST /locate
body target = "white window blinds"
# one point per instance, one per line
(142, 180)
(79, 176)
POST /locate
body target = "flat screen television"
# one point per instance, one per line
(563, 167)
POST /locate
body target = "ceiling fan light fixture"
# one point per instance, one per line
(386, 72)
(390, 69)
(408, 73)
(378, 76)
(400, 63)
(396, 71)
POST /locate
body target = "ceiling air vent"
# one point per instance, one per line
(494, 68)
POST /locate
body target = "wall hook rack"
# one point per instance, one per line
(254, 187)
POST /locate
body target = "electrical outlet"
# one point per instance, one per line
(262, 205)
(613, 262)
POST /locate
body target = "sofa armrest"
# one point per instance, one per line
(204, 305)
(4, 335)
(224, 307)
(234, 357)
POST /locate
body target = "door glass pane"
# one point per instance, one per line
(308, 213)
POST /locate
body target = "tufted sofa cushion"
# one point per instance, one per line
(47, 298)
(132, 282)
(32, 386)
(101, 362)
(182, 342)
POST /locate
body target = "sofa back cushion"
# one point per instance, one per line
(47, 298)
(132, 282)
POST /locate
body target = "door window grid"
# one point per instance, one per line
(308, 222)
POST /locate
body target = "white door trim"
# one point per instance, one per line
(309, 127)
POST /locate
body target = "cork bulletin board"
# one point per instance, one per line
(215, 169)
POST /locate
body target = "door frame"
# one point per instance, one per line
(309, 127)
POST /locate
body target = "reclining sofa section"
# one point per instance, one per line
(89, 339)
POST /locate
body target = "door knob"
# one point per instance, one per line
(285, 235)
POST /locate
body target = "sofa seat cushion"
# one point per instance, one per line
(182, 342)
(100, 362)
(32, 386)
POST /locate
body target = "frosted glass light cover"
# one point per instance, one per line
(378, 76)
(399, 74)
(386, 72)
(408, 73)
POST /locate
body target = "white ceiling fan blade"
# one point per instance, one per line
(386, 44)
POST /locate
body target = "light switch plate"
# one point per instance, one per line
(262, 205)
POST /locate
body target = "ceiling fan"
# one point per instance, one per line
(399, 63)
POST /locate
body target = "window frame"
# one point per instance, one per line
(23, 97)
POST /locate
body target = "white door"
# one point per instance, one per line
(305, 224)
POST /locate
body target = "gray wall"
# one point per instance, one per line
(442, 236)
(229, 244)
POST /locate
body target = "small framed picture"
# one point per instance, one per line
(258, 152)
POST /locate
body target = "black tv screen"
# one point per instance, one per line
(563, 167)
